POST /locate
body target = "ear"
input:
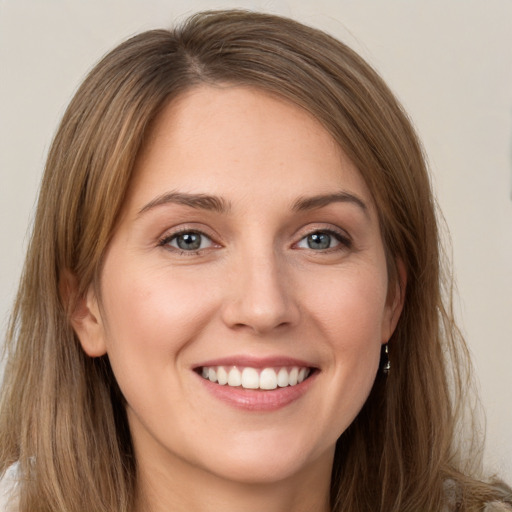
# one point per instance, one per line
(395, 301)
(84, 315)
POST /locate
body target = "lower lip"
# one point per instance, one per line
(258, 400)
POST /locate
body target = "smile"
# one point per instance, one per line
(255, 378)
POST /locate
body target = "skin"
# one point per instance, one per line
(254, 288)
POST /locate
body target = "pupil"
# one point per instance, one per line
(189, 241)
(319, 241)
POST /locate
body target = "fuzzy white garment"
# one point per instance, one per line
(9, 501)
(453, 496)
(8, 488)
(496, 506)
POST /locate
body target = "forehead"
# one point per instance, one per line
(238, 141)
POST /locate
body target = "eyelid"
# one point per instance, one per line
(341, 235)
(203, 237)
(170, 234)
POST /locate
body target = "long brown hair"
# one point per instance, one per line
(62, 414)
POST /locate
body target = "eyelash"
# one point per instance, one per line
(344, 240)
(165, 241)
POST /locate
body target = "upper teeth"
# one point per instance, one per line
(252, 378)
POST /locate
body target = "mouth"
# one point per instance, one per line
(257, 384)
(264, 379)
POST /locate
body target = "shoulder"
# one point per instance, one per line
(497, 506)
(453, 497)
(8, 489)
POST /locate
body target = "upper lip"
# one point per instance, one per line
(256, 362)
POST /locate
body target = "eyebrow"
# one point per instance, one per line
(198, 201)
(220, 205)
(311, 203)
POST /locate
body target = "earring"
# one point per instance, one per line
(385, 364)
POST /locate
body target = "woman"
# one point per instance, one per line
(233, 297)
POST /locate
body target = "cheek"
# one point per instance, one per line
(352, 310)
(350, 319)
(151, 314)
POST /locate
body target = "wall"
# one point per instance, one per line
(450, 62)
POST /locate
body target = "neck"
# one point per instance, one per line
(182, 488)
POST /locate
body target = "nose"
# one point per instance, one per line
(260, 297)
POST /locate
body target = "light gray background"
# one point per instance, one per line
(449, 61)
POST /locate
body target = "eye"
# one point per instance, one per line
(187, 241)
(323, 240)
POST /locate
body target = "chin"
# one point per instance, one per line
(266, 461)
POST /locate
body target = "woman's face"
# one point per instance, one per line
(244, 295)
